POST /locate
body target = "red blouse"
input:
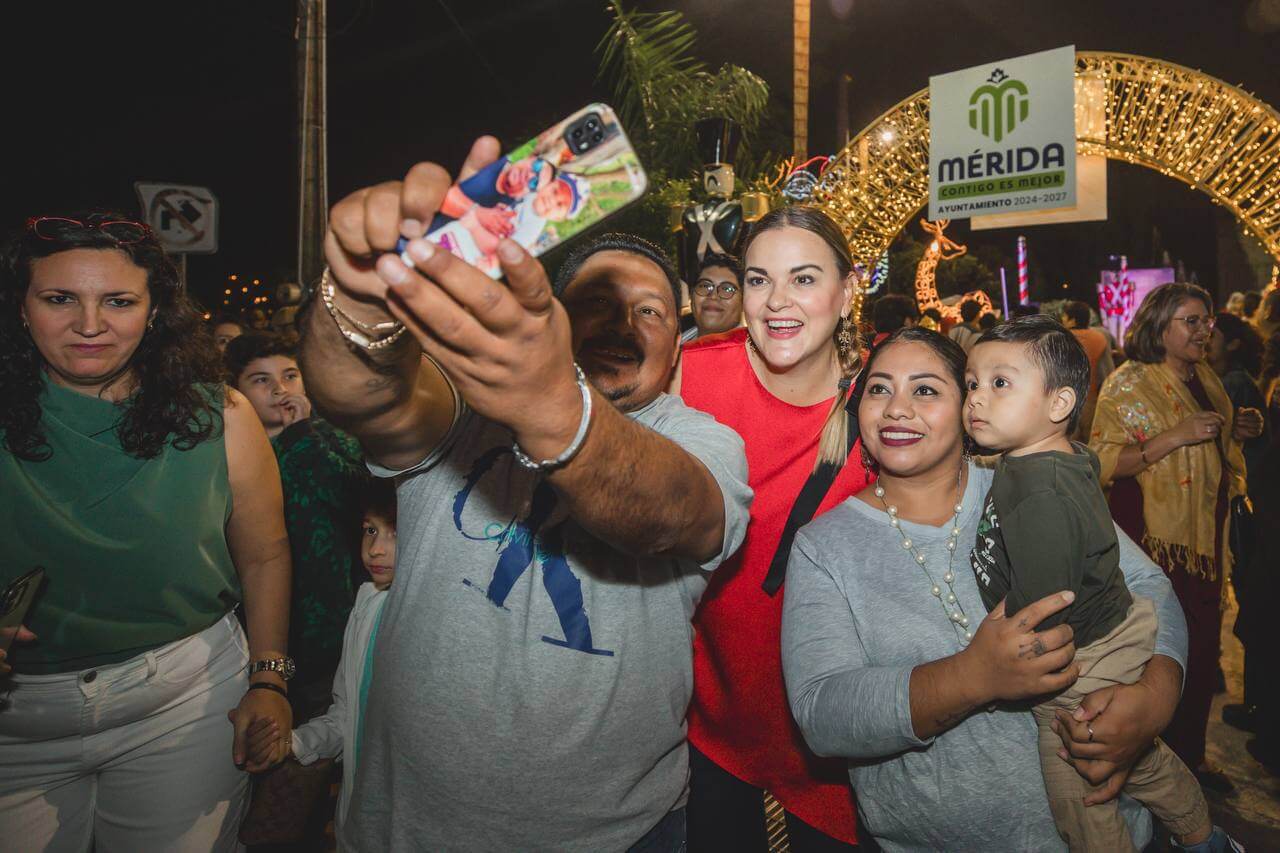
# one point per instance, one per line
(740, 717)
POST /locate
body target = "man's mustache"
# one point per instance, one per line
(615, 343)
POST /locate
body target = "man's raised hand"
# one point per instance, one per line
(507, 348)
(368, 222)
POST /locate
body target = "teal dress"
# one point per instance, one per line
(134, 550)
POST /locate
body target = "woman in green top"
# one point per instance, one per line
(151, 497)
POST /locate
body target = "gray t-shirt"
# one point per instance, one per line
(530, 680)
(858, 617)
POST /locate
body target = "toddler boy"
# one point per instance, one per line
(1046, 528)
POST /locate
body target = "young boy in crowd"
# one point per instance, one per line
(1046, 528)
(322, 473)
(336, 733)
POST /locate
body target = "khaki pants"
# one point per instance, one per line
(1159, 780)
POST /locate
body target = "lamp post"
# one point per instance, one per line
(800, 79)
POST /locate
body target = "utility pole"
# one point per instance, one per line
(313, 147)
(842, 110)
(800, 80)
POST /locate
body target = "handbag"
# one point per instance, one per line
(283, 800)
(1242, 534)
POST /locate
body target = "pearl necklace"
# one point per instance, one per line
(950, 603)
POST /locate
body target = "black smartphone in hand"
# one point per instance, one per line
(15, 601)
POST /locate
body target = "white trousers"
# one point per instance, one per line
(130, 757)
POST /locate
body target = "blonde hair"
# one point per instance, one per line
(833, 441)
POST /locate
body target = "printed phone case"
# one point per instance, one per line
(541, 193)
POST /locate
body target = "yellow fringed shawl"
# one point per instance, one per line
(1180, 492)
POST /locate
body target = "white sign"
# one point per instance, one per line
(1091, 169)
(184, 218)
(1003, 136)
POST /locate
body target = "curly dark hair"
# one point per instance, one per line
(175, 356)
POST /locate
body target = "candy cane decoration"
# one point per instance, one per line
(1024, 291)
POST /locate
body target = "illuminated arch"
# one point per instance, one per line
(1185, 124)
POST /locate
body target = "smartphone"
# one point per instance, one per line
(564, 180)
(15, 601)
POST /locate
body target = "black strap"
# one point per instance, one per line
(802, 511)
(266, 685)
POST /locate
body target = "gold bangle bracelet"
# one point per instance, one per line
(362, 334)
(327, 291)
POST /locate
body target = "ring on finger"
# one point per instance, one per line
(1089, 727)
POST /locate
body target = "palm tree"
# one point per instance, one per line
(661, 89)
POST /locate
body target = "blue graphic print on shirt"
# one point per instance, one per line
(522, 542)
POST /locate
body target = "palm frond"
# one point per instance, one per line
(647, 59)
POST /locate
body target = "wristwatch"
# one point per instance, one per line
(282, 666)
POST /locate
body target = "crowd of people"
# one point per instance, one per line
(552, 565)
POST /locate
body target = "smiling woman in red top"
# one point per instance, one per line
(782, 384)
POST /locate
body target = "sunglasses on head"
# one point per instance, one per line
(122, 231)
(536, 177)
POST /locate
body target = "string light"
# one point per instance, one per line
(1214, 137)
(942, 248)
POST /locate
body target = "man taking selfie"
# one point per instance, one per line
(559, 516)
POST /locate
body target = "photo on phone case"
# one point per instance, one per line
(541, 193)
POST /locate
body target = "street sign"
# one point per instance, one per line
(1003, 136)
(184, 218)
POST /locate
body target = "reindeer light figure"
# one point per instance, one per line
(941, 248)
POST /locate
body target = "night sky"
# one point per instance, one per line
(101, 95)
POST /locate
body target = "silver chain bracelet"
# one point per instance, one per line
(574, 446)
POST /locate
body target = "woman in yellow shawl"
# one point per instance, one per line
(1169, 443)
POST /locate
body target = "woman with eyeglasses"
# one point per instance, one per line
(782, 383)
(1170, 446)
(716, 297)
(150, 495)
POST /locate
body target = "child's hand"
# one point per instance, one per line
(295, 407)
(498, 221)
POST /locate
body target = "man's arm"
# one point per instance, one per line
(508, 351)
(397, 404)
(644, 493)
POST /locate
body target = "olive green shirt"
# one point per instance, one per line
(1046, 528)
(134, 550)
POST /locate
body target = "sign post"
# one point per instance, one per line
(1024, 284)
(1003, 136)
(184, 219)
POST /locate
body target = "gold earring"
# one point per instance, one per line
(845, 339)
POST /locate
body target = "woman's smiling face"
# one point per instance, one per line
(909, 415)
(793, 296)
